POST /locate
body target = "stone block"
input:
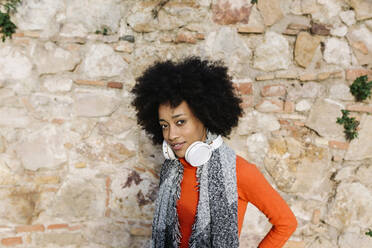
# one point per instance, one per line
(270, 105)
(361, 147)
(323, 116)
(362, 8)
(337, 52)
(227, 12)
(273, 54)
(305, 48)
(273, 90)
(270, 11)
(102, 61)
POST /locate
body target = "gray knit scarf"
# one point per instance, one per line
(216, 222)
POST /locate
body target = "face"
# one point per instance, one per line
(180, 127)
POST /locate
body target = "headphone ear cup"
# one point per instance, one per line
(167, 151)
(198, 153)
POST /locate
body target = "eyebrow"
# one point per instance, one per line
(173, 117)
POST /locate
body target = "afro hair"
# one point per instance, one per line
(204, 85)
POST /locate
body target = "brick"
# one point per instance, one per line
(18, 35)
(32, 34)
(352, 74)
(294, 244)
(87, 82)
(286, 75)
(289, 107)
(320, 29)
(30, 228)
(46, 180)
(267, 105)
(80, 165)
(308, 77)
(359, 108)
(58, 121)
(323, 75)
(337, 74)
(251, 29)
(245, 88)
(338, 145)
(337, 158)
(115, 85)
(299, 123)
(360, 46)
(74, 228)
(273, 90)
(11, 241)
(185, 38)
(315, 219)
(265, 77)
(200, 36)
(57, 226)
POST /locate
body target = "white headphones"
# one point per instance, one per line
(197, 153)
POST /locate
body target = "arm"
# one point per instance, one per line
(254, 188)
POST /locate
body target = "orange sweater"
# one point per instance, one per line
(253, 188)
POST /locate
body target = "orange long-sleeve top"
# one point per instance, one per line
(252, 187)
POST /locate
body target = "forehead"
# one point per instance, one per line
(166, 111)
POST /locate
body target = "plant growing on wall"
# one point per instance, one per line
(360, 89)
(253, 1)
(369, 233)
(7, 27)
(350, 125)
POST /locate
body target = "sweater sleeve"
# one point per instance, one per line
(254, 188)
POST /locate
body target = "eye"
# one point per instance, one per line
(163, 126)
(180, 122)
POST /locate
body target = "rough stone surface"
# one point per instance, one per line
(257, 146)
(305, 48)
(14, 117)
(341, 92)
(337, 52)
(255, 23)
(94, 15)
(363, 9)
(225, 44)
(270, 11)
(360, 39)
(58, 84)
(320, 114)
(348, 17)
(79, 198)
(255, 121)
(40, 15)
(230, 12)
(359, 148)
(77, 171)
(349, 239)
(273, 54)
(294, 167)
(94, 105)
(111, 234)
(54, 59)
(350, 206)
(102, 61)
(15, 65)
(42, 149)
(303, 105)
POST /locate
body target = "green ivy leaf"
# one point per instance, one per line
(360, 89)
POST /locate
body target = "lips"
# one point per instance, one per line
(177, 146)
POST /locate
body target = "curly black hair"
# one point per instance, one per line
(204, 85)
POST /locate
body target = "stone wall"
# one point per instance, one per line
(75, 169)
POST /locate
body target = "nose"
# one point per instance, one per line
(172, 133)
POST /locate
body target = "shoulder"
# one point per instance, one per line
(243, 165)
(247, 172)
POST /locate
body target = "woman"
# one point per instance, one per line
(204, 187)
